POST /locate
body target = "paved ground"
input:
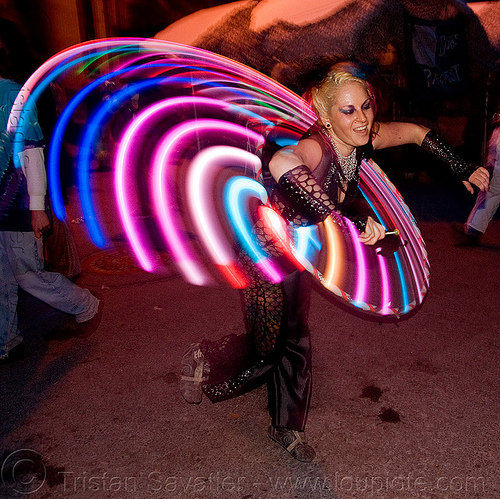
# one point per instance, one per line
(398, 411)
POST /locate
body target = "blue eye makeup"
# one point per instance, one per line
(347, 110)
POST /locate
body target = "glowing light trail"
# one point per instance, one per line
(201, 131)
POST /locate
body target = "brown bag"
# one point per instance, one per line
(59, 250)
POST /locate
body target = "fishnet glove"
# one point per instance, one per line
(301, 189)
(435, 145)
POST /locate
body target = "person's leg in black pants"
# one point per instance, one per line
(289, 383)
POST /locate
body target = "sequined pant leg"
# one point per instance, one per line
(236, 364)
(275, 349)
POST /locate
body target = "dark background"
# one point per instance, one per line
(35, 30)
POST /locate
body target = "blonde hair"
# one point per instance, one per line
(324, 93)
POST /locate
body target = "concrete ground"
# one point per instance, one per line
(407, 410)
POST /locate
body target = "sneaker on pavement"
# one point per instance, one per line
(192, 374)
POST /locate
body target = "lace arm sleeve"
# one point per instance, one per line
(300, 188)
(435, 145)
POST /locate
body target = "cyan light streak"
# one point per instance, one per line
(200, 181)
(235, 193)
(162, 188)
(307, 243)
(413, 248)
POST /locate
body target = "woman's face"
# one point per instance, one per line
(351, 117)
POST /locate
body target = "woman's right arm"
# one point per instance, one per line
(292, 169)
(307, 153)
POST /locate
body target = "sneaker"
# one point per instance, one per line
(294, 442)
(192, 374)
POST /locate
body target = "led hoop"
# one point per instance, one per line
(162, 196)
(162, 188)
(200, 177)
(254, 107)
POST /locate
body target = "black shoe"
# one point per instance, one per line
(80, 329)
(13, 355)
(466, 237)
(294, 442)
(88, 328)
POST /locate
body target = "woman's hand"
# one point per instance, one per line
(480, 178)
(373, 232)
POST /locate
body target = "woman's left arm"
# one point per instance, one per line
(395, 134)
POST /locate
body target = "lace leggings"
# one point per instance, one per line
(275, 349)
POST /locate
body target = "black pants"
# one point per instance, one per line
(276, 349)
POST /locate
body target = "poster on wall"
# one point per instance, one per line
(438, 65)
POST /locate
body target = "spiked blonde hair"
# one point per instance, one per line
(324, 93)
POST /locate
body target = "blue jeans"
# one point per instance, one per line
(487, 203)
(21, 265)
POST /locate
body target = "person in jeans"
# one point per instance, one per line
(22, 221)
(487, 202)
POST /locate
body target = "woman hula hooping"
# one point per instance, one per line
(313, 179)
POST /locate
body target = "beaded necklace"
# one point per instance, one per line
(348, 164)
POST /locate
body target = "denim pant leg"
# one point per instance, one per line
(50, 287)
(487, 204)
(8, 297)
